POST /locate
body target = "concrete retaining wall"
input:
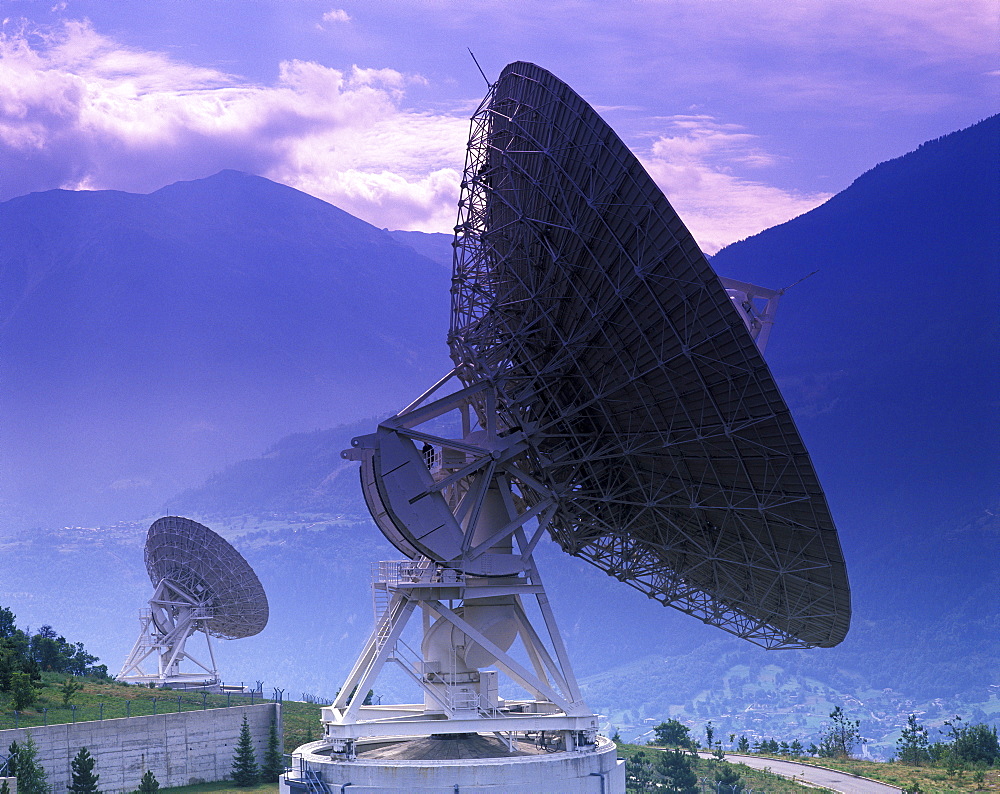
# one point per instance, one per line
(180, 749)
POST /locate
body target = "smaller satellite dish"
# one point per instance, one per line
(201, 584)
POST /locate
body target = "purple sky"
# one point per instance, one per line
(747, 112)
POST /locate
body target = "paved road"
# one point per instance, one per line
(813, 775)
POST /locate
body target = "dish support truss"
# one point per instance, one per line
(173, 617)
(755, 305)
(578, 294)
(458, 508)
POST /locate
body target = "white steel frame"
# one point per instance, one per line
(173, 618)
(756, 305)
(438, 586)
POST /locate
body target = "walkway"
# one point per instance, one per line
(813, 775)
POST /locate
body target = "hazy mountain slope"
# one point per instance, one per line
(890, 358)
(890, 355)
(146, 340)
(433, 245)
(301, 474)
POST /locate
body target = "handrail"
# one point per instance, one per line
(314, 781)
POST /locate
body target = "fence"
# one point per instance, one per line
(133, 703)
(317, 700)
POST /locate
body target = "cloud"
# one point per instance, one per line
(78, 110)
(813, 57)
(694, 163)
(337, 15)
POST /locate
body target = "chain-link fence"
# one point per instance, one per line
(135, 702)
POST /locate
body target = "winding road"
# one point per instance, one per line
(813, 775)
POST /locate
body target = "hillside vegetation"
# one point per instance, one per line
(95, 698)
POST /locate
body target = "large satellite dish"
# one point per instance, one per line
(609, 391)
(201, 584)
(582, 298)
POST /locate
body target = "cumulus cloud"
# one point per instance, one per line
(694, 165)
(78, 110)
(81, 111)
(337, 15)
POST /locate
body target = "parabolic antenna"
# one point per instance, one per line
(608, 390)
(201, 584)
(584, 301)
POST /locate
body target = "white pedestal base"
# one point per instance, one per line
(596, 771)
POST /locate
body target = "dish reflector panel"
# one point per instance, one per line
(210, 570)
(581, 297)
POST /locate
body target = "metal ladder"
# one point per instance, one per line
(314, 782)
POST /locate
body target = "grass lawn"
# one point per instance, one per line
(222, 787)
(106, 699)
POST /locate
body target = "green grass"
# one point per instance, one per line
(301, 722)
(704, 768)
(105, 699)
(221, 787)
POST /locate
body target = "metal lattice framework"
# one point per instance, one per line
(213, 573)
(581, 298)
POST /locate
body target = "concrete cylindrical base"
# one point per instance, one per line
(596, 771)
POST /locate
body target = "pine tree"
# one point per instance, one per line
(639, 773)
(149, 784)
(728, 779)
(30, 774)
(841, 735)
(84, 779)
(974, 744)
(245, 772)
(69, 688)
(673, 733)
(22, 690)
(911, 747)
(12, 752)
(273, 765)
(676, 771)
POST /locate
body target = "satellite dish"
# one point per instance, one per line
(649, 411)
(609, 391)
(201, 585)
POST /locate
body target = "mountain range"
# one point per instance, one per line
(208, 319)
(151, 347)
